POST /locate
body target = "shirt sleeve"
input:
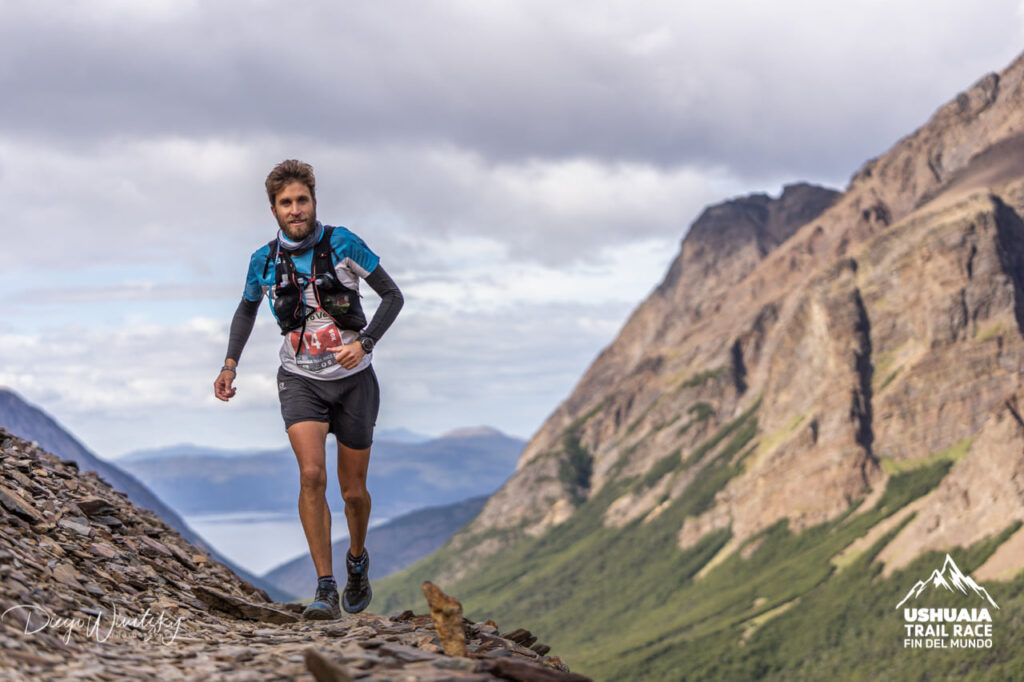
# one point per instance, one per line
(391, 302)
(241, 328)
(347, 246)
(254, 278)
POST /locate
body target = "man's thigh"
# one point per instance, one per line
(307, 440)
(354, 412)
(302, 400)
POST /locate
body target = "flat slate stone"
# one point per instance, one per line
(240, 608)
(78, 524)
(16, 504)
(407, 654)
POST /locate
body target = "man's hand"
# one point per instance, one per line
(222, 386)
(349, 355)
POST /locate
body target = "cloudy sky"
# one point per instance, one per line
(524, 169)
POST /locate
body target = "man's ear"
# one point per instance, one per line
(273, 210)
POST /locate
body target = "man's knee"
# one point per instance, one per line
(313, 479)
(355, 494)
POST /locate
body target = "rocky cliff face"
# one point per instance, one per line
(92, 587)
(802, 350)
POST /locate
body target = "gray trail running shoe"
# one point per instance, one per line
(357, 593)
(325, 604)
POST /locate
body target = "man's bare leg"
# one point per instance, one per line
(352, 466)
(307, 439)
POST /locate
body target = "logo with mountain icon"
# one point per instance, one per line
(951, 579)
(967, 625)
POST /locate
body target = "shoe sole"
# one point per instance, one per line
(319, 614)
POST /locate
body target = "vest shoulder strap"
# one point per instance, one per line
(324, 253)
(325, 241)
(272, 255)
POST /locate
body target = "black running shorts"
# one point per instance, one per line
(349, 405)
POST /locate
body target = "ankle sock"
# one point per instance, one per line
(326, 579)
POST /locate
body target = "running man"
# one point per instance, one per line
(326, 383)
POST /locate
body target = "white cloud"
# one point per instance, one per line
(151, 384)
(198, 206)
(808, 89)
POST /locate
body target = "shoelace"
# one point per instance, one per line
(325, 593)
(357, 575)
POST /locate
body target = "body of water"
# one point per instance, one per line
(261, 541)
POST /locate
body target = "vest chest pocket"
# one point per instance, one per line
(289, 308)
(344, 308)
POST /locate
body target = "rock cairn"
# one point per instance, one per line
(94, 588)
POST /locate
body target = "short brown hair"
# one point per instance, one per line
(288, 172)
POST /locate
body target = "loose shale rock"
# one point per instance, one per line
(94, 588)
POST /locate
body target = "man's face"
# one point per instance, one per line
(295, 210)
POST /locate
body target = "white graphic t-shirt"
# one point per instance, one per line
(305, 352)
(312, 358)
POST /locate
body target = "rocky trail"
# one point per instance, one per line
(94, 588)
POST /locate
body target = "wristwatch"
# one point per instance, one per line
(367, 343)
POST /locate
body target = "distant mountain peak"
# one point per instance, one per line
(472, 432)
(952, 579)
(401, 435)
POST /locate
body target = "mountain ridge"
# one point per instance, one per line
(769, 292)
(403, 436)
(403, 476)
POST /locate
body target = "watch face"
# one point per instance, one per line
(367, 344)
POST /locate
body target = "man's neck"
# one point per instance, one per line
(304, 244)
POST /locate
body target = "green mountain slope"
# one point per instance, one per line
(627, 604)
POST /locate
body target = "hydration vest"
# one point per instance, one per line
(335, 299)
